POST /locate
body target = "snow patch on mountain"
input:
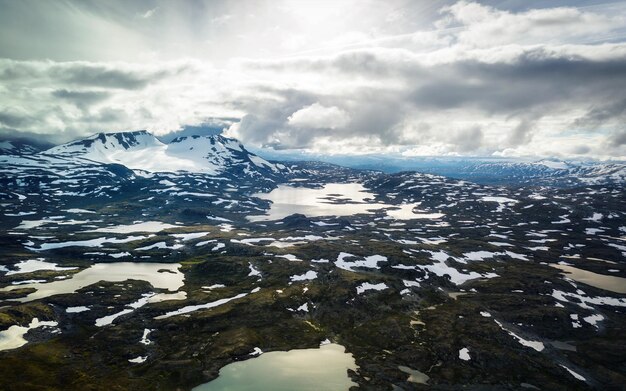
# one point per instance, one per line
(8, 147)
(141, 150)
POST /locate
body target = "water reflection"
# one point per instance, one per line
(334, 199)
(160, 275)
(301, 369)
(609, 283)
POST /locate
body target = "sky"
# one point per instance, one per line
(404, 78)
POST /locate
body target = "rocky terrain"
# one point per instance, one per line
(119, 274)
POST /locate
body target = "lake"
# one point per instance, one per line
(602, 281)
(333, 199)
(169, 278)
(319, 369)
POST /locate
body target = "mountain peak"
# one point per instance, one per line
(122, 134)
(211, 140)
(101, 146)
(141, 150)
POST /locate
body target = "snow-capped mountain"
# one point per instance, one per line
(141, 150)
(516, 172)
(500, 171)
(114, 165)
(546, 172)
(15, 147)
(217, 155)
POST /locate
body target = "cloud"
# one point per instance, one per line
(618, 138)
(468, 140)
(211, 126)
(522, 133)
(149, 13)
(81, 99)
(603, 112)
(222, 19)
(85, 74)
(101, 76)
(317, 116)
(485, 26)
(13, 118)
(515, 102)
(473, 80)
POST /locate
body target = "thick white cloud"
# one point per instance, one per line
(484, 26)
(317, 116)
(472, 80)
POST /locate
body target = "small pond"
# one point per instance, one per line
(602, 281)
(325, 368)
(160, 275)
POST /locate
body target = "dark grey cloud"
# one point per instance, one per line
(14, 120)
(601, 112)
(41, 140)
(353, 63)
(618, 138)
(581, 149)
(99, 76)
(84, 74)
(529, 83)
(533, 80)
(81, 99)
(537, 81)
(106, 116)
(524, 89)
(469, 140)
(265, 123)
(374, 112)
(36, 140)
(522, 133)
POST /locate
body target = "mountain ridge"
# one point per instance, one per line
(141, 150)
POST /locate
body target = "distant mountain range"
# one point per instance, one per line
(497, 171)
(543, 172)
(16, 147)
(216, 155)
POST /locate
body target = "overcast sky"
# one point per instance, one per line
(409, 78)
